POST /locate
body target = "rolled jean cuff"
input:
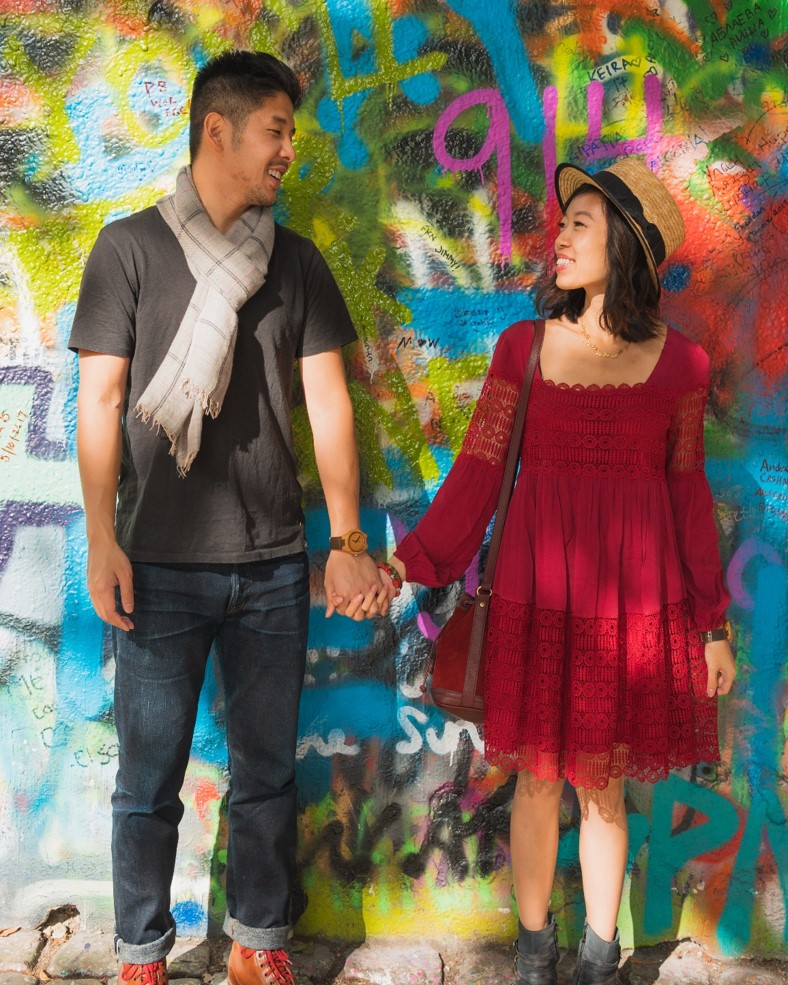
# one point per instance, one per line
(256, 938)
(145, 953)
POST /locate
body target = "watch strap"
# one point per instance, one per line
(345, 542)
(722, 632)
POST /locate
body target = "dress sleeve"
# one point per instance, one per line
(693, 510)
(440, 548)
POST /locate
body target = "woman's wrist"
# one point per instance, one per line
(398, 565)
(391, 570)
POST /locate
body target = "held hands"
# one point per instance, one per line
(108, 569)
(356, 587)
(721, 667)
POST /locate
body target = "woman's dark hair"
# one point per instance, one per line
(630, 310)
(235, 84)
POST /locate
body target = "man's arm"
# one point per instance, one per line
(355, 587)
(102, 388)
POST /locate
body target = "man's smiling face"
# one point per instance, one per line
(261, 152)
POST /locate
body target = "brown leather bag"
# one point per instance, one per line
(456, 660)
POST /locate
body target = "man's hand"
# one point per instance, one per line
(721, 667)
(356, 587)
(108, 569)
(102, 388)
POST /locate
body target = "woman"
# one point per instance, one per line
(607, 643)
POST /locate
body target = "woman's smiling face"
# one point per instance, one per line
(580, 246)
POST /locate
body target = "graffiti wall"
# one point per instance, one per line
(426, 142)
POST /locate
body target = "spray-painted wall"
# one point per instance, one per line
(428, 135)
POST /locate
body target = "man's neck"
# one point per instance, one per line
(221, 209)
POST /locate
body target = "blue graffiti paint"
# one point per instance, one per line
(352, 28)
(351, 25)
(768, 412)
(101, 172)
(498, 30)
(767, 814)
(668, 853)
(83, 692)
(766, 818)
(210, 743)
(362, 710)
(338, 631)
(464, 322)
(70, 368)
(409, 34)
(351, 149)
(676, 278)
(155, 100)
(189, 917)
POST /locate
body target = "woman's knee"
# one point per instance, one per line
(533, 793)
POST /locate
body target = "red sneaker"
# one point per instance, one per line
(249, 967)
(154, 973)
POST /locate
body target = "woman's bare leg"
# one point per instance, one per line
(604, 843)
(534, 846)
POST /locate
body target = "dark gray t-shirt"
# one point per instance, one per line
(241, 500)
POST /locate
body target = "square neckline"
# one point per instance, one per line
(609, 387)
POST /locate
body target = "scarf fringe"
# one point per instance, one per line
(183, 469)
(210, 405)
(158, 427)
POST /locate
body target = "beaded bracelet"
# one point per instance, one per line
(392, 572)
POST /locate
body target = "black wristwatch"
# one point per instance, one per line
(712, 635)
(353, 542)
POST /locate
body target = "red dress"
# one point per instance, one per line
(608, 568)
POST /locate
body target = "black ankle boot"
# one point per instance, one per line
(536, 955)
(597, 960)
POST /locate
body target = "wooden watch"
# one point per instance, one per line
(353, 542)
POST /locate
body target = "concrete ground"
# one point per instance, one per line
(30, 957)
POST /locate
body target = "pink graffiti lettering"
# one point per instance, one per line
(648, 145)
(595, 147)
(497, 140)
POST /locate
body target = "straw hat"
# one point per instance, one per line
(640, 197)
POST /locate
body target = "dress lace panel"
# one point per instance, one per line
(490, 429)
(593, 698)
(609, 432)
(685, 439)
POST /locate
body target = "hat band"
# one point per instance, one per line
(630, 203)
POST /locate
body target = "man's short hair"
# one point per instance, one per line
(235, 84)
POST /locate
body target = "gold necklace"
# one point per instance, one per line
(596, 350)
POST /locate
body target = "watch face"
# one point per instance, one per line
(357, 541)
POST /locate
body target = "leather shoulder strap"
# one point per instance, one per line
(512, 458)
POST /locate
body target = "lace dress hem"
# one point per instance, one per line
(590, 698)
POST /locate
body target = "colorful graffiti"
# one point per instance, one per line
(426, 141)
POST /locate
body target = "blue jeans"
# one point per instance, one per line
(256, 615)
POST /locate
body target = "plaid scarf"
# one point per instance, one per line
(192, 380)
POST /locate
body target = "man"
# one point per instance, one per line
(190, 317)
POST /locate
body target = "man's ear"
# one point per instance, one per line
(216, 131)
